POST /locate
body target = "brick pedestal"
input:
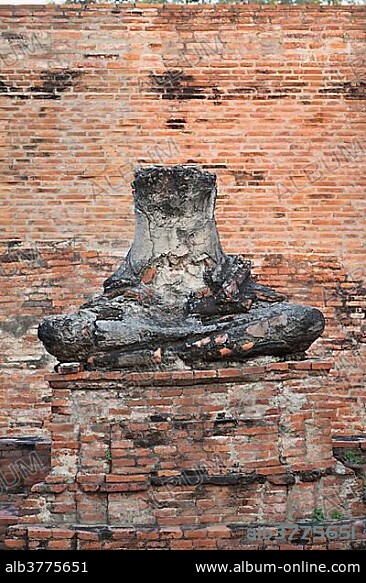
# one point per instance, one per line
(189, 460)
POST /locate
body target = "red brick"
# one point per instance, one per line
(218, 532)
(324, 366)
(181, 545)
(301, 365)
(228, 373)
(281, 366)
(125, 478)
(253, 370)
(59, 545)
(196, 533)
(204, 374)
(16, 544)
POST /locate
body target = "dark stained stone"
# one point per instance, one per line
(178, 300)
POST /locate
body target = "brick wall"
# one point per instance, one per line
(23, 462)
(269, 98)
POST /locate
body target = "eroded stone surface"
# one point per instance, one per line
(178, 298)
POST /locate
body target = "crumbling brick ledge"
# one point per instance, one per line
(213, 537)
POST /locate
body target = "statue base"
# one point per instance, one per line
(235, 458)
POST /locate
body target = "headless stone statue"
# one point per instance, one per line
(178, 299)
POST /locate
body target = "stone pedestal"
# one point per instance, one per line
(189, 459)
